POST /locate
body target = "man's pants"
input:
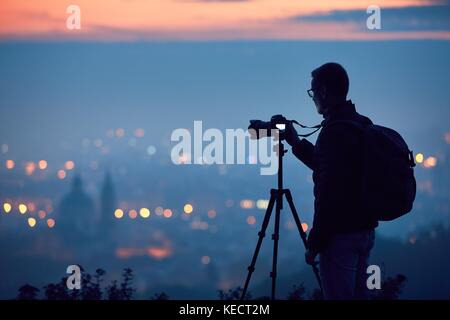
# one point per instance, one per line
(343, 265)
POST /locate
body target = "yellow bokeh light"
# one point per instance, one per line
(61, 174)
(167, 213)
(23, 208)
(188, 208)
(7, 207)
(419, 157)
(262, 204)
(31, 222)
(132, 214)
(118, 213)
(42, 164)
(69, 165)
(144, 212)
(10, 164)
(50, 223)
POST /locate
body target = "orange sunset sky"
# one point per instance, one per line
(199, 20)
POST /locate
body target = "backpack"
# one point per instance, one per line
(388, 183)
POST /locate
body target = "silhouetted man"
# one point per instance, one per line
(342, 233)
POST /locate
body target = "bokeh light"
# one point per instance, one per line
(61, 174)
(212, 213)
(31, 222)
(144, 212)
(206, 260)
(419, 157)
(51, 223)
(132, 214)
(69, 165)
(7, 207)
(42, 164)
(167, 213)
(23, 208)
(10, 164)
(118, 213)
(188, 208)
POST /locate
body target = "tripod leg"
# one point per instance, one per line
(275, 238)
(302, 233)
(261, 235)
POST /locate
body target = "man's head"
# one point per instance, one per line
(329, 87)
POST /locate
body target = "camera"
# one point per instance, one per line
(264, 128)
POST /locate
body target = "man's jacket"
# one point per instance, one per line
(336, 161)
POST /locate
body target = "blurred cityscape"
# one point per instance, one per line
(116, 200)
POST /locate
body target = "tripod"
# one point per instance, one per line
(276, 196)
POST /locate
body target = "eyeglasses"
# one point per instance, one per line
(311, 92)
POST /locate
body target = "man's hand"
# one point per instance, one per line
(291, 135)
(310, 257)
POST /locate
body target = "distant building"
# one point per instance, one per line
(76, 213)
(108, 203)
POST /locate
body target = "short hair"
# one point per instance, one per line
(334, 77)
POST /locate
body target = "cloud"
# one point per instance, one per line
(419, 18)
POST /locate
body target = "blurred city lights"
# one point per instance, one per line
(61, 174)
(159, 211)
(132, 214)
(199, 225)
(31, 222)
(7, 207)
(430, 162)
(98, 142)
(247, 204)
(188, 208)
(151, 150)
(144, 212)
(447, 137)
(118, 213)
(251, 220)
(42, 164)
(139, 132)
(184, 158)
(262, 204)
(10, 164)
(206, 259)
(120, 132)
(41, 214)
(212, 213)
(167, 213)
(23, 208)
(29, 168)
(69, 165)
(50, 223)
(304, 226)
(419, 157)
(31, 207)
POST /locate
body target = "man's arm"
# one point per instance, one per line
(304, 151)
(333, 168)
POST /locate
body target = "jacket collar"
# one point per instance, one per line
(343, 111)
